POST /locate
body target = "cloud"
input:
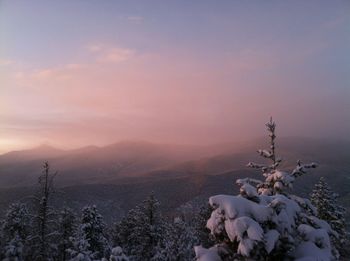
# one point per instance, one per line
(6, 62)
(135, 18)
(151, 96)
(94, 47)
(104, 53)
(115, 55)
(44, 74)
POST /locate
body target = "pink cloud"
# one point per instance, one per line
(115, 55)
(106, 53)
(165, 96)
(5, 62)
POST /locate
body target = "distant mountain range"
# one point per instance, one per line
(118, 176)
(92, 164)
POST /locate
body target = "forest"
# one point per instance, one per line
(264, 222)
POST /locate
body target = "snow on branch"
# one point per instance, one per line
(300, 169)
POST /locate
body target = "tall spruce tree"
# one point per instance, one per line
(90, 240)
(67, 225)
(328, 208)
(80, 250)
(44, 231)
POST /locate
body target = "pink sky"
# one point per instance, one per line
(99, 91)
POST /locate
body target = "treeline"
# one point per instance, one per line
(37, 231)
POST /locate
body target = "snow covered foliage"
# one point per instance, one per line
(14, 250)
(15, 231)
(90, 242)
(199, 221)
(266, 222)
(325, 201)
(80, 250)
(66, 229)
(203, 254)
(142, 232)
(118, 255)
(177, 242)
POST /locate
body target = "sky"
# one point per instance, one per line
(74, 73)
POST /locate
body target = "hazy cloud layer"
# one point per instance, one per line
(166, 90)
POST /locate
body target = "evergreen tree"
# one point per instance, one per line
(328, 208)
(178, 242)
(199, 223)
(266, 222)
(80, 250)
(14, 249)
(141, 232)
(44, 230)
(90, 240)
(67, 228)
(14, 231)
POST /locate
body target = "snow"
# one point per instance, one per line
(236, 206)
(265, 153)
(242, 227)
(266, 221)
(243, 222)
(246, 189)
(118, 255)
(203, 254)
(286, 212)
(271, 238)
(280, 179)
(317, 236)
(309, 251)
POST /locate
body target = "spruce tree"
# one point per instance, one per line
(44, 220)
(67, 229)
(199, 222)
(178, 242)
(80, 250)
(15, 231)
(90, 240)
(328, 208)
(141, 232)
(14, 249)
(265, 221)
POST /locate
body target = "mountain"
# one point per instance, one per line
(41, 152)
(94, 164)
(118, 176)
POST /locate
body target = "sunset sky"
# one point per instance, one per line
(74, 73)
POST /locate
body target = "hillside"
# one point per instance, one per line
(119, 176)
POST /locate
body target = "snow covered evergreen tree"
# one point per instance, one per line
(14, 250)
(80, 250)
(142, 231)
(266, 222)
(202, 233)
(90, 240)
(44, 230)
(66, 229)
(328, 208)
(178, 242)
(14, 232)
